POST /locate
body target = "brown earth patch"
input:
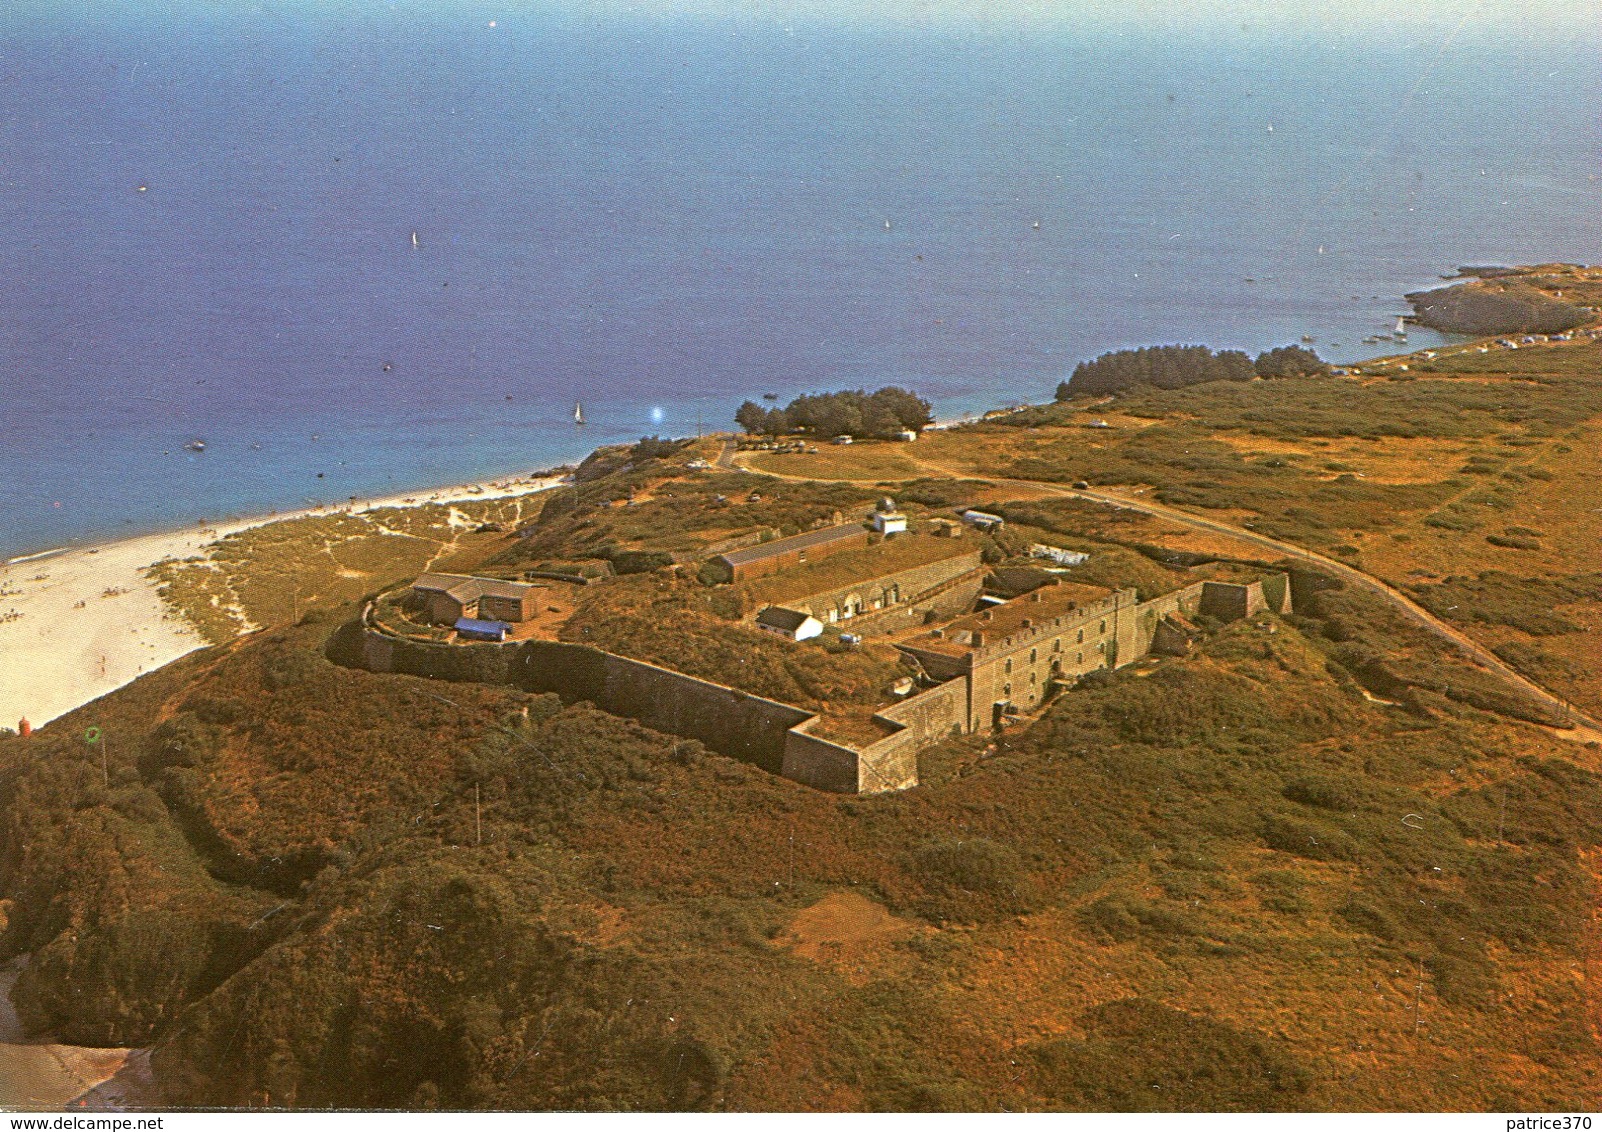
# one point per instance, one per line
(844, 929)
(1386, 459)
(600, 925)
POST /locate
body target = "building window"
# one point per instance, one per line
(801, 556)
(1031, 679)
(1101, 646)
(1079, 658)
(1009, 666)
(1081, 637)
(1032, 656)
(1056, 646)
(1006, 690)
(1104, 626)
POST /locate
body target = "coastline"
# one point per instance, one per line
(48, 1076)
(77, 623)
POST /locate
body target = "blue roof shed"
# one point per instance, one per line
(476, 630)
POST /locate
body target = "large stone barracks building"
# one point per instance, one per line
(977, 660)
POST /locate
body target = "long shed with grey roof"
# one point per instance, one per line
(780, 554)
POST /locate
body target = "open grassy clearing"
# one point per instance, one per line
(1320, 864)
(863, 460)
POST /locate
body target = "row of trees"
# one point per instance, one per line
(1170, 367)
(851, 412)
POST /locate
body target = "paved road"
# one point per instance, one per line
(1586, 728)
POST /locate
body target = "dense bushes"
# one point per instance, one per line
(579, 523)
(1495, 597)
(883, 413)
(1142, 1056)
(972, 879)
(1162, 367)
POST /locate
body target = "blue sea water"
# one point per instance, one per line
(206, 219)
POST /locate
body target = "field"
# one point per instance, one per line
(864, 460)
(1195, 881)
(1465, 465)
(1325, 862)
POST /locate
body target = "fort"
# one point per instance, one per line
(975, 661)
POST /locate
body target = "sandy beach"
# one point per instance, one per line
(40, 1075)
(79, 623)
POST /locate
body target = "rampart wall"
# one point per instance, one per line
(1135, 632)
(727, 720)
(777, 736)
(822, 764)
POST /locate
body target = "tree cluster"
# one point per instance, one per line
(1172, 367)
(1162, 367)
(851, 412)
(1290, 361)
(655, 448)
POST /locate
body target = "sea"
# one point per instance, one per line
(361, 249)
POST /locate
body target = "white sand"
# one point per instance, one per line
(88, 621)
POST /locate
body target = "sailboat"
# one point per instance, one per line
(414, 241)
(1401, 328)
(578, 412)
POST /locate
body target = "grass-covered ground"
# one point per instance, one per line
(1456, 472)
(270, 575)
(1232, 882)
(1323, 863)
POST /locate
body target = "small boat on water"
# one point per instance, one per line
(1401, 328)
(1309, 339)
(415, 245)
(578, 412)
(196, 445)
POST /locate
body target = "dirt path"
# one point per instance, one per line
(1586, 729)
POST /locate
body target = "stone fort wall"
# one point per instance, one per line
(727, 720)
(777, 736)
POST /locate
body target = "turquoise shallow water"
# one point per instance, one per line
(209, 223)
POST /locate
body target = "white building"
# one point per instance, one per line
(1058, 555)
(790, 623)
(887, 519)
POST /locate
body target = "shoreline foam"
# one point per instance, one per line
(78, 623)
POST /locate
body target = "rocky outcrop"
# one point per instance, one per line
(1479, 309)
